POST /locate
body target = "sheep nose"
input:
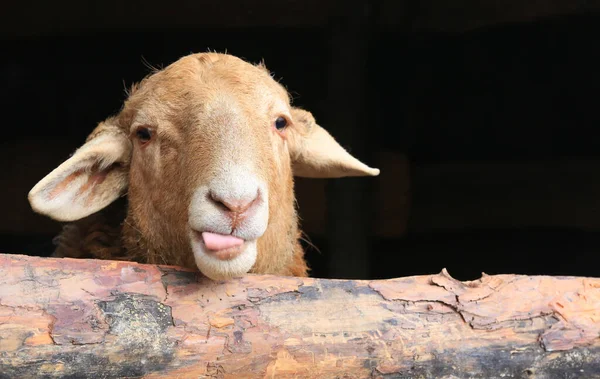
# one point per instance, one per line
(236, 205)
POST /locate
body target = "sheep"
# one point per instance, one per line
(196, 170)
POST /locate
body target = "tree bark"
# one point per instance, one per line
(108, 319)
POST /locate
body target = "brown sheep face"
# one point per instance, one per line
(206, 150)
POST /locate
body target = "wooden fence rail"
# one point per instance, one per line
(108, 319)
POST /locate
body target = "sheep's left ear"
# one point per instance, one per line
(316, 154)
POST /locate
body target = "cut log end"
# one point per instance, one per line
(86, 318)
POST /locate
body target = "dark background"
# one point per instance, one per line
(482, 117)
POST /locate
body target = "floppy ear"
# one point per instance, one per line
(316, 154)
(95, 176)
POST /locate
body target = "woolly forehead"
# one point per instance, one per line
(191, 84)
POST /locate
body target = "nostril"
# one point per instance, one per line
(219, 203)
(235, 205)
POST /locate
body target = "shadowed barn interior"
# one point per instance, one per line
(481, 116)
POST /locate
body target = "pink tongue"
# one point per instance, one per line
(215, 241)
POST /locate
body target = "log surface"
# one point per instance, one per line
(106, 319)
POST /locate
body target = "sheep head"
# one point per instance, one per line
(205, 150)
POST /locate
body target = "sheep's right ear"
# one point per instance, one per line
(95, 176)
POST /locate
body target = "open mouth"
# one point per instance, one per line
(221, 246)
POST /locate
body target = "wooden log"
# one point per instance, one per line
(85, 318)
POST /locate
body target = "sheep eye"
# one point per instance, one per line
(280, 123)
(144, 134)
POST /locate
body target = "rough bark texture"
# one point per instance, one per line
(107, 319)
